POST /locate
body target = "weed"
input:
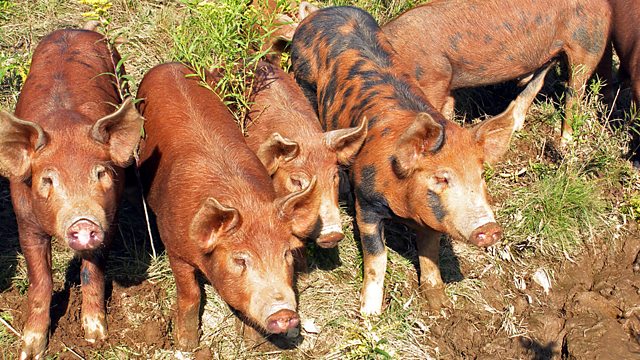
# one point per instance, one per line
(225, 36)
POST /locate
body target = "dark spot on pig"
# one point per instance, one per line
(488, 39)
(538, 20)
(507, 25)
(334, 121)
(347, 93)
(580, 10)
(310, 92)
(385, 132)
(558, 44)
(329, 92)
(374, 207)
(454, 40)
(482, 68)
(419, 72)
(436, 206)
(84, 276)
(355, 70)
(88, 66)
(372, 244)
(588, 41)
(370, 138)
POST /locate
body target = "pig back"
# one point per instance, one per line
(279, 105)
(193, 148)
(70, 70)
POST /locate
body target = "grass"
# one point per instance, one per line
(553, 203)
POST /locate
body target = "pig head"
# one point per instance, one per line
(286, 136)
(74, 169)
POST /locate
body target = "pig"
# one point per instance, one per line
(460, 49)
(285, 133)
(414, 166)
(216, 207)
(64, 152)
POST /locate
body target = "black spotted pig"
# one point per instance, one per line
(64, 152)
(286, 135)
(216, 207)
(452, 44)
(415, 166)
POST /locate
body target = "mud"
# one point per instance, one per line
(591, 312)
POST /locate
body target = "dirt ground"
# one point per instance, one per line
(591, 312)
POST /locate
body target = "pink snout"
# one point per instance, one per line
(84, 234)
(486, 235)
(329, 240)
(282, 321)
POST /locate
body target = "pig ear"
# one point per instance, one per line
(276, 150)
(347, 142)
(305, 9)
(494, 135)
(212, 221)
(18, 140)
(285, 29)
(296, 206)
(121, 131)
(425, 134)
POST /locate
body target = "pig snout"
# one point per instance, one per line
(282, 321)
(330, 236)
(84, 234)
(486, 235)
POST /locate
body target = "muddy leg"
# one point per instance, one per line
(583, 60)
(188, 312)
(94, 318)
(37, 253)
(375, 261)
(431, 285)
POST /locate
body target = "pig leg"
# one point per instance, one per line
(93, 314)
(431, 285)
(188, 313)
(605, 74)
(375, 260)
(583, 55)
(37, 252)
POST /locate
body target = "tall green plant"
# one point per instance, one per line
(227, 36)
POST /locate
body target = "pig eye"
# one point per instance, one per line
(46, 184)
(298, 181)
(240, 261)
(442, 179)
(100, 172)
(46, 181)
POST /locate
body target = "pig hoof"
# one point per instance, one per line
(95, 328)
(370, 309)
(188, 341)
(566, 139)
(371, 300)
(435, 297)
(33, 345)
